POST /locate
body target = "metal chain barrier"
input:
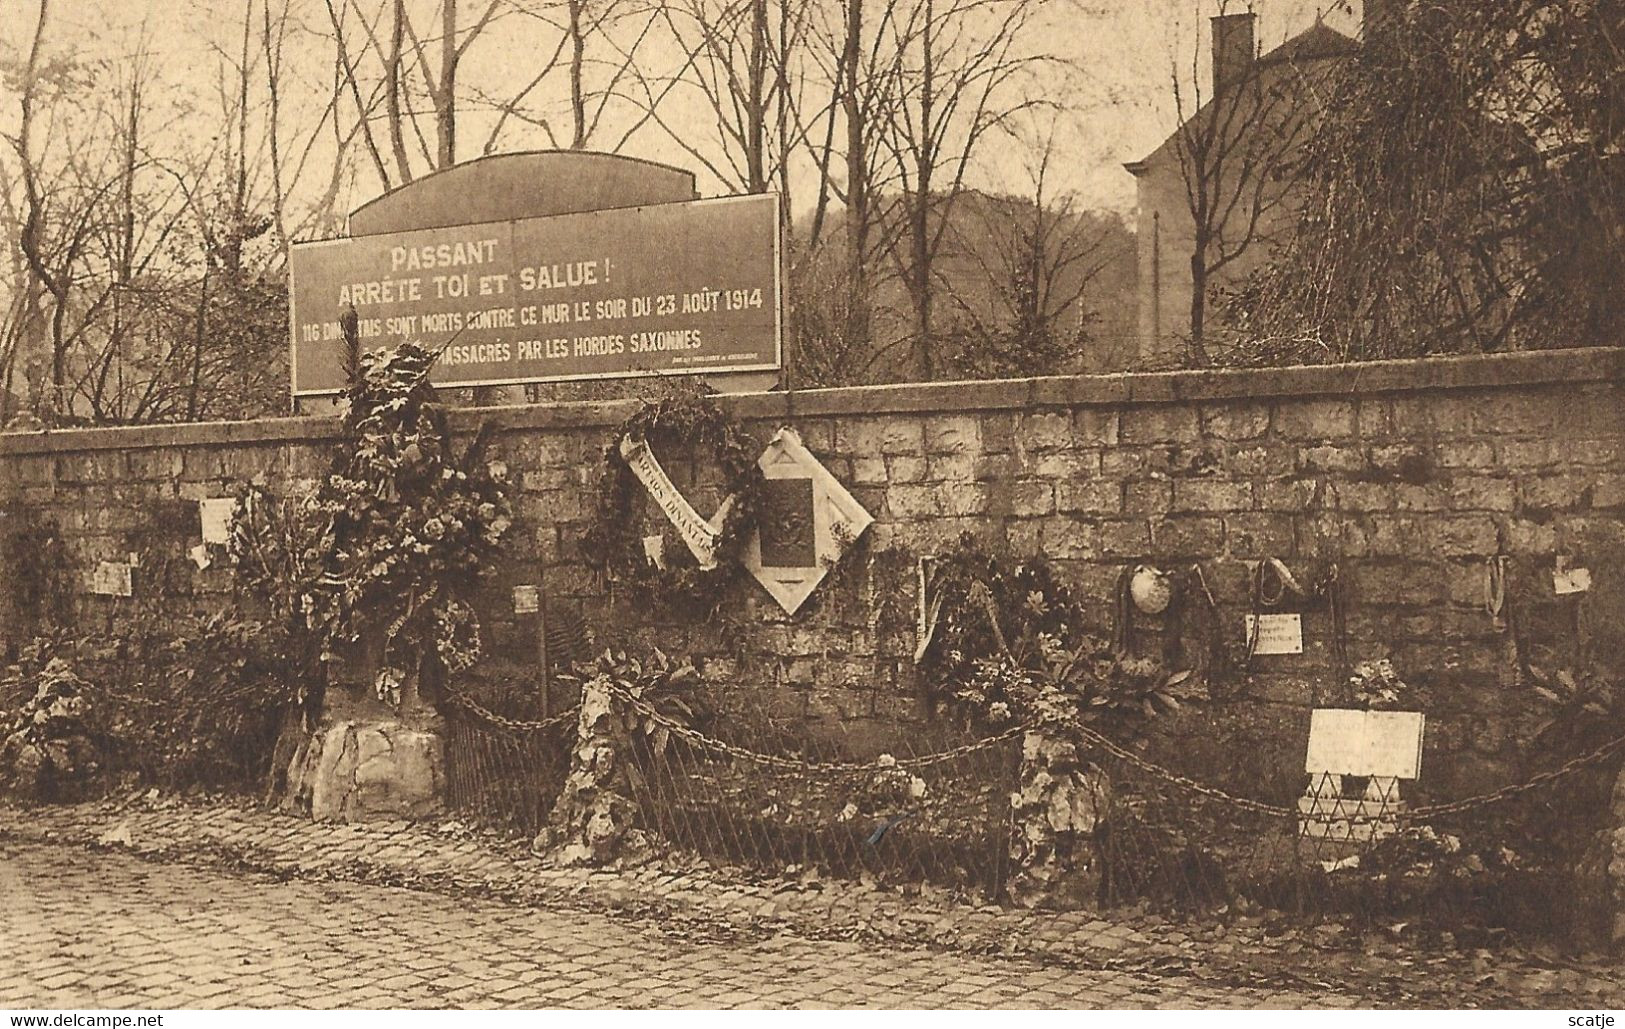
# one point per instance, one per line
(1186, 783)
(799, 803)
(1419, 814)
(942, 817)
(847, 769)
(1535, 782)
(504, 772)
(1259, 807)
(513, 725)
(838, 768)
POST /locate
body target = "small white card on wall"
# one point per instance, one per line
(1571, 580)
(216, 514)
(1275, 634)
(527, 600)
(111, 579)
(654, 550)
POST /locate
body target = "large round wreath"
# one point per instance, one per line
(688, 425)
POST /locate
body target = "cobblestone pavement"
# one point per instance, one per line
(105, 930)
(1244, 959)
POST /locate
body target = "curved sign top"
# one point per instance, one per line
(666, 289)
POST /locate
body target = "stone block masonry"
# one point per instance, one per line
(1407, 474)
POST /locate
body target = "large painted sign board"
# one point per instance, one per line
(666, 289)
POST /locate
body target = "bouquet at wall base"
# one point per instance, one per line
(48, 753)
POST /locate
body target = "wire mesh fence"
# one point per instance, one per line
(945, 820)
(780, 799)
(505, 760)
(1353, 849)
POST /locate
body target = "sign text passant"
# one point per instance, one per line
(662, 289)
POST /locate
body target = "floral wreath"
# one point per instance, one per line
(616, 540)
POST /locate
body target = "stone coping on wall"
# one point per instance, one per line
(1477, 371)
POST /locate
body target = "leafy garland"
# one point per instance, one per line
(277, 546)
(690, 425)
(38, 570)
(394, 540)
(46, 749)
(1025, 594)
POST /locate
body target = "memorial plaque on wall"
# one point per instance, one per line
(806, 522)
(112, 579)
(1275, 633)
(786, 522)
(675, 288)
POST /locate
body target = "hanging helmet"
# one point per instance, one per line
(1150, 589)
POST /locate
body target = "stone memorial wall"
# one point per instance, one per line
(1409, 475)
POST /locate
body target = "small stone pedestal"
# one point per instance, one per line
(369, 761)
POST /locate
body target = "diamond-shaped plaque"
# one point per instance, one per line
(807, 518)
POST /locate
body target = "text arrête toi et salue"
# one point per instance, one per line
(401, 288)
(578, 274)
(453, 284)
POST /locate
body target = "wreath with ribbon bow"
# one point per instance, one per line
(669, 571)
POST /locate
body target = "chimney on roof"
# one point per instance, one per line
(1233, 49)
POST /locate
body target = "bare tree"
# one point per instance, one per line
(407, 75)
(1483, 211)
(1235, 146)
(737, 61)
(23, 315)
(598, 45)
(1027, 264)
(159, 298)
(412, 81)
(852, 49)
(967, 73)
(866, 100)
(53, 277)
(349, 82)
(76, 231)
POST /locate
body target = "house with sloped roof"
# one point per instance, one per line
(1216, 193)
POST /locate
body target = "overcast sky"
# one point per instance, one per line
(1119, 107)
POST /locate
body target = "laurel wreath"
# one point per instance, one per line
(695, 427)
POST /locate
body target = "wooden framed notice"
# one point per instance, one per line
(1376, 743)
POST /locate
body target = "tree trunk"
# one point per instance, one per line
(783, 115)
(920, 215)
(445, 108)
(920, 256)
(392, 93)
(56, 285)
(857, 184)
(193, 410)
(756, 102)
(578, 96)
(1198, 347)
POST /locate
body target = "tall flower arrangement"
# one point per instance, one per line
(406, 526)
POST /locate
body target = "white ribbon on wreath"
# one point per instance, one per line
(700, 534)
